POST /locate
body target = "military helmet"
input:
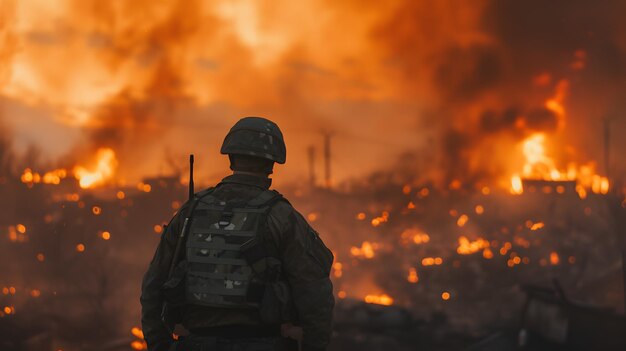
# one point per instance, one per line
(255, 136)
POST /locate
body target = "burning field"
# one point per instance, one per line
(450, 155)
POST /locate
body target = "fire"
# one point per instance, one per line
(87, 178)
(52, 177)
(539, 166)
(382, 299)
(105, 166)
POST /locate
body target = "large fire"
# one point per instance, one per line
(102, 171)
(540, 166)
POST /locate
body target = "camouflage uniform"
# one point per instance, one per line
(306, 264)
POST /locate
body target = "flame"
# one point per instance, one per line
(555, 103)
(539, 166)
(382, 299)
(105, 166)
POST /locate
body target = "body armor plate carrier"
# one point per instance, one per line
(229, 262)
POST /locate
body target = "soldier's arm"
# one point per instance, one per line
(306, 262)
(156, 334)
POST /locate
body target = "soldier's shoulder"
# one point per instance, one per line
(281, 207)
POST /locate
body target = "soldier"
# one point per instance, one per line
(250, 267)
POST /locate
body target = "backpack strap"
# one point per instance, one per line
(266, 198)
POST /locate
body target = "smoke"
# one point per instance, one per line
(417, 77)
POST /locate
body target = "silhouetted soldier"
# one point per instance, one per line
(250, 267)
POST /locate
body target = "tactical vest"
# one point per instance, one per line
(228, 259)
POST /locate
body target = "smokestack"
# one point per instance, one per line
(327, 177)
(311, 153)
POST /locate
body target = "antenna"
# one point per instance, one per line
(191, 185)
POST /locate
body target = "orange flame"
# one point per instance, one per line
(382, 299)
(540, 166)
(105, 166)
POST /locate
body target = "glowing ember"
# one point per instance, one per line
(406, 189)
(103, 171)
(554, 258)
(55, 176)
(479, 210)
(137, 332)
(138, 345)
(382, 299)
(415, 236)
(445, 296)
(105, 235)
(412, 277)
(382, 219)
(432, 261)
(505, 248)
(144, 187)
(467, 247)
(462, 220)
(487, 253)
(337, 269)
(366, 250)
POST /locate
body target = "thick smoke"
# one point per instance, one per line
(416, 77)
